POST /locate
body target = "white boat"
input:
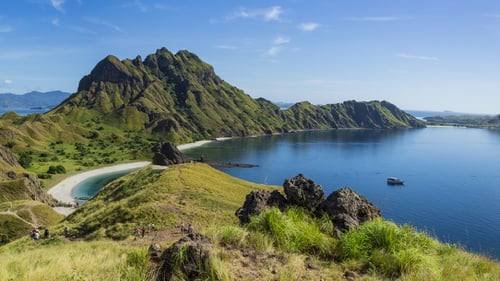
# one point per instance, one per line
(394, 181)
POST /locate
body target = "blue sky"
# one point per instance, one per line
(419, 54)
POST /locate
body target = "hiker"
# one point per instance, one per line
(143, 232)
(35, 234)
(66, 231)
(46, 233)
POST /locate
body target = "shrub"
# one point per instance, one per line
(25, 160)
(389, 249)
(44, 176)
(295, 230)
(59, 169)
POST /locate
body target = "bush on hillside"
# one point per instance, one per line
(59, 169)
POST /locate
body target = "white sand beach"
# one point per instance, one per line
(62, 191)
(187, 146)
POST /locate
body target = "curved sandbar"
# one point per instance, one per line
(63, 190)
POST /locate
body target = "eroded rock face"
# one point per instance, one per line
(188, 256)
(258, 200)
(303, 192)
(167, 154)
(348, 209)
(8, 158)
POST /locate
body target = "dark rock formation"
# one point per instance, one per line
(188, 256)
(348, 209)
(258, 200)
(167, 154)
(303, 192)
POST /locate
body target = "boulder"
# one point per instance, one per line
(303, 192)
(348, 209)
(258, 200)
(166, 154)
(187, 257)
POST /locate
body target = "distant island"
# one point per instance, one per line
(471, 121)
(32, 102)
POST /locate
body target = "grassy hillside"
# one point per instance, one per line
(194, 193)
(17, 218)
(289, 245)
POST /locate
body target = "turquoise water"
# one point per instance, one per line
(91, 186)
(452, 175)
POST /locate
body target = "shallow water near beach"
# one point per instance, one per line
(452, 175)
(91, 186)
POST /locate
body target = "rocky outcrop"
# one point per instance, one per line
(7, 158)
(348, 209)
(257, 201)
(303, 192)
(167, 154)
(188, 257)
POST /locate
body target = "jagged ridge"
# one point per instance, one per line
(179, 94)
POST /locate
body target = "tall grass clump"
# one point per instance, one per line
(389, 249)
(294, 230)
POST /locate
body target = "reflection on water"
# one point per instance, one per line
(452, 174)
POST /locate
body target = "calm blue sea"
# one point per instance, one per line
(452, 175)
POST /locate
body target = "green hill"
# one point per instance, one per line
(288, 245)
(180, 96)
(17, 218)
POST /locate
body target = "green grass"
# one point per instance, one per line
(295, 231)
(56, 259)
(207, 198)
(17, 218)
(194, 193)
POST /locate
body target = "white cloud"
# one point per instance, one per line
(381, 19)
(7, 81)
(309, 26)
(272, 13)
(5, 28)
(58, 5)
(416, 57)
(104, 23)
(273, 51)
(280, 40)
(55, 22)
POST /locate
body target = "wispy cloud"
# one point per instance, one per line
(97, 21)
(416, 57)
(278, 46)
(81, 29)
(5, 28)
(58, 5)
(281, 40)
(495, 16)
(272, 13)
(226, 47)
(274, 51)
(380, 18)
(309, 26)
(55, 22)
(7, 81)
(31, 53)
(144, 7)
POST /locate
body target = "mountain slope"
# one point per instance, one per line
(180, 95)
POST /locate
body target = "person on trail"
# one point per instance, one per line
(35, 234)
(66, 231)
(143, 232)
(46, 233)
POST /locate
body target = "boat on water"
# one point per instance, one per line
(395, 181)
